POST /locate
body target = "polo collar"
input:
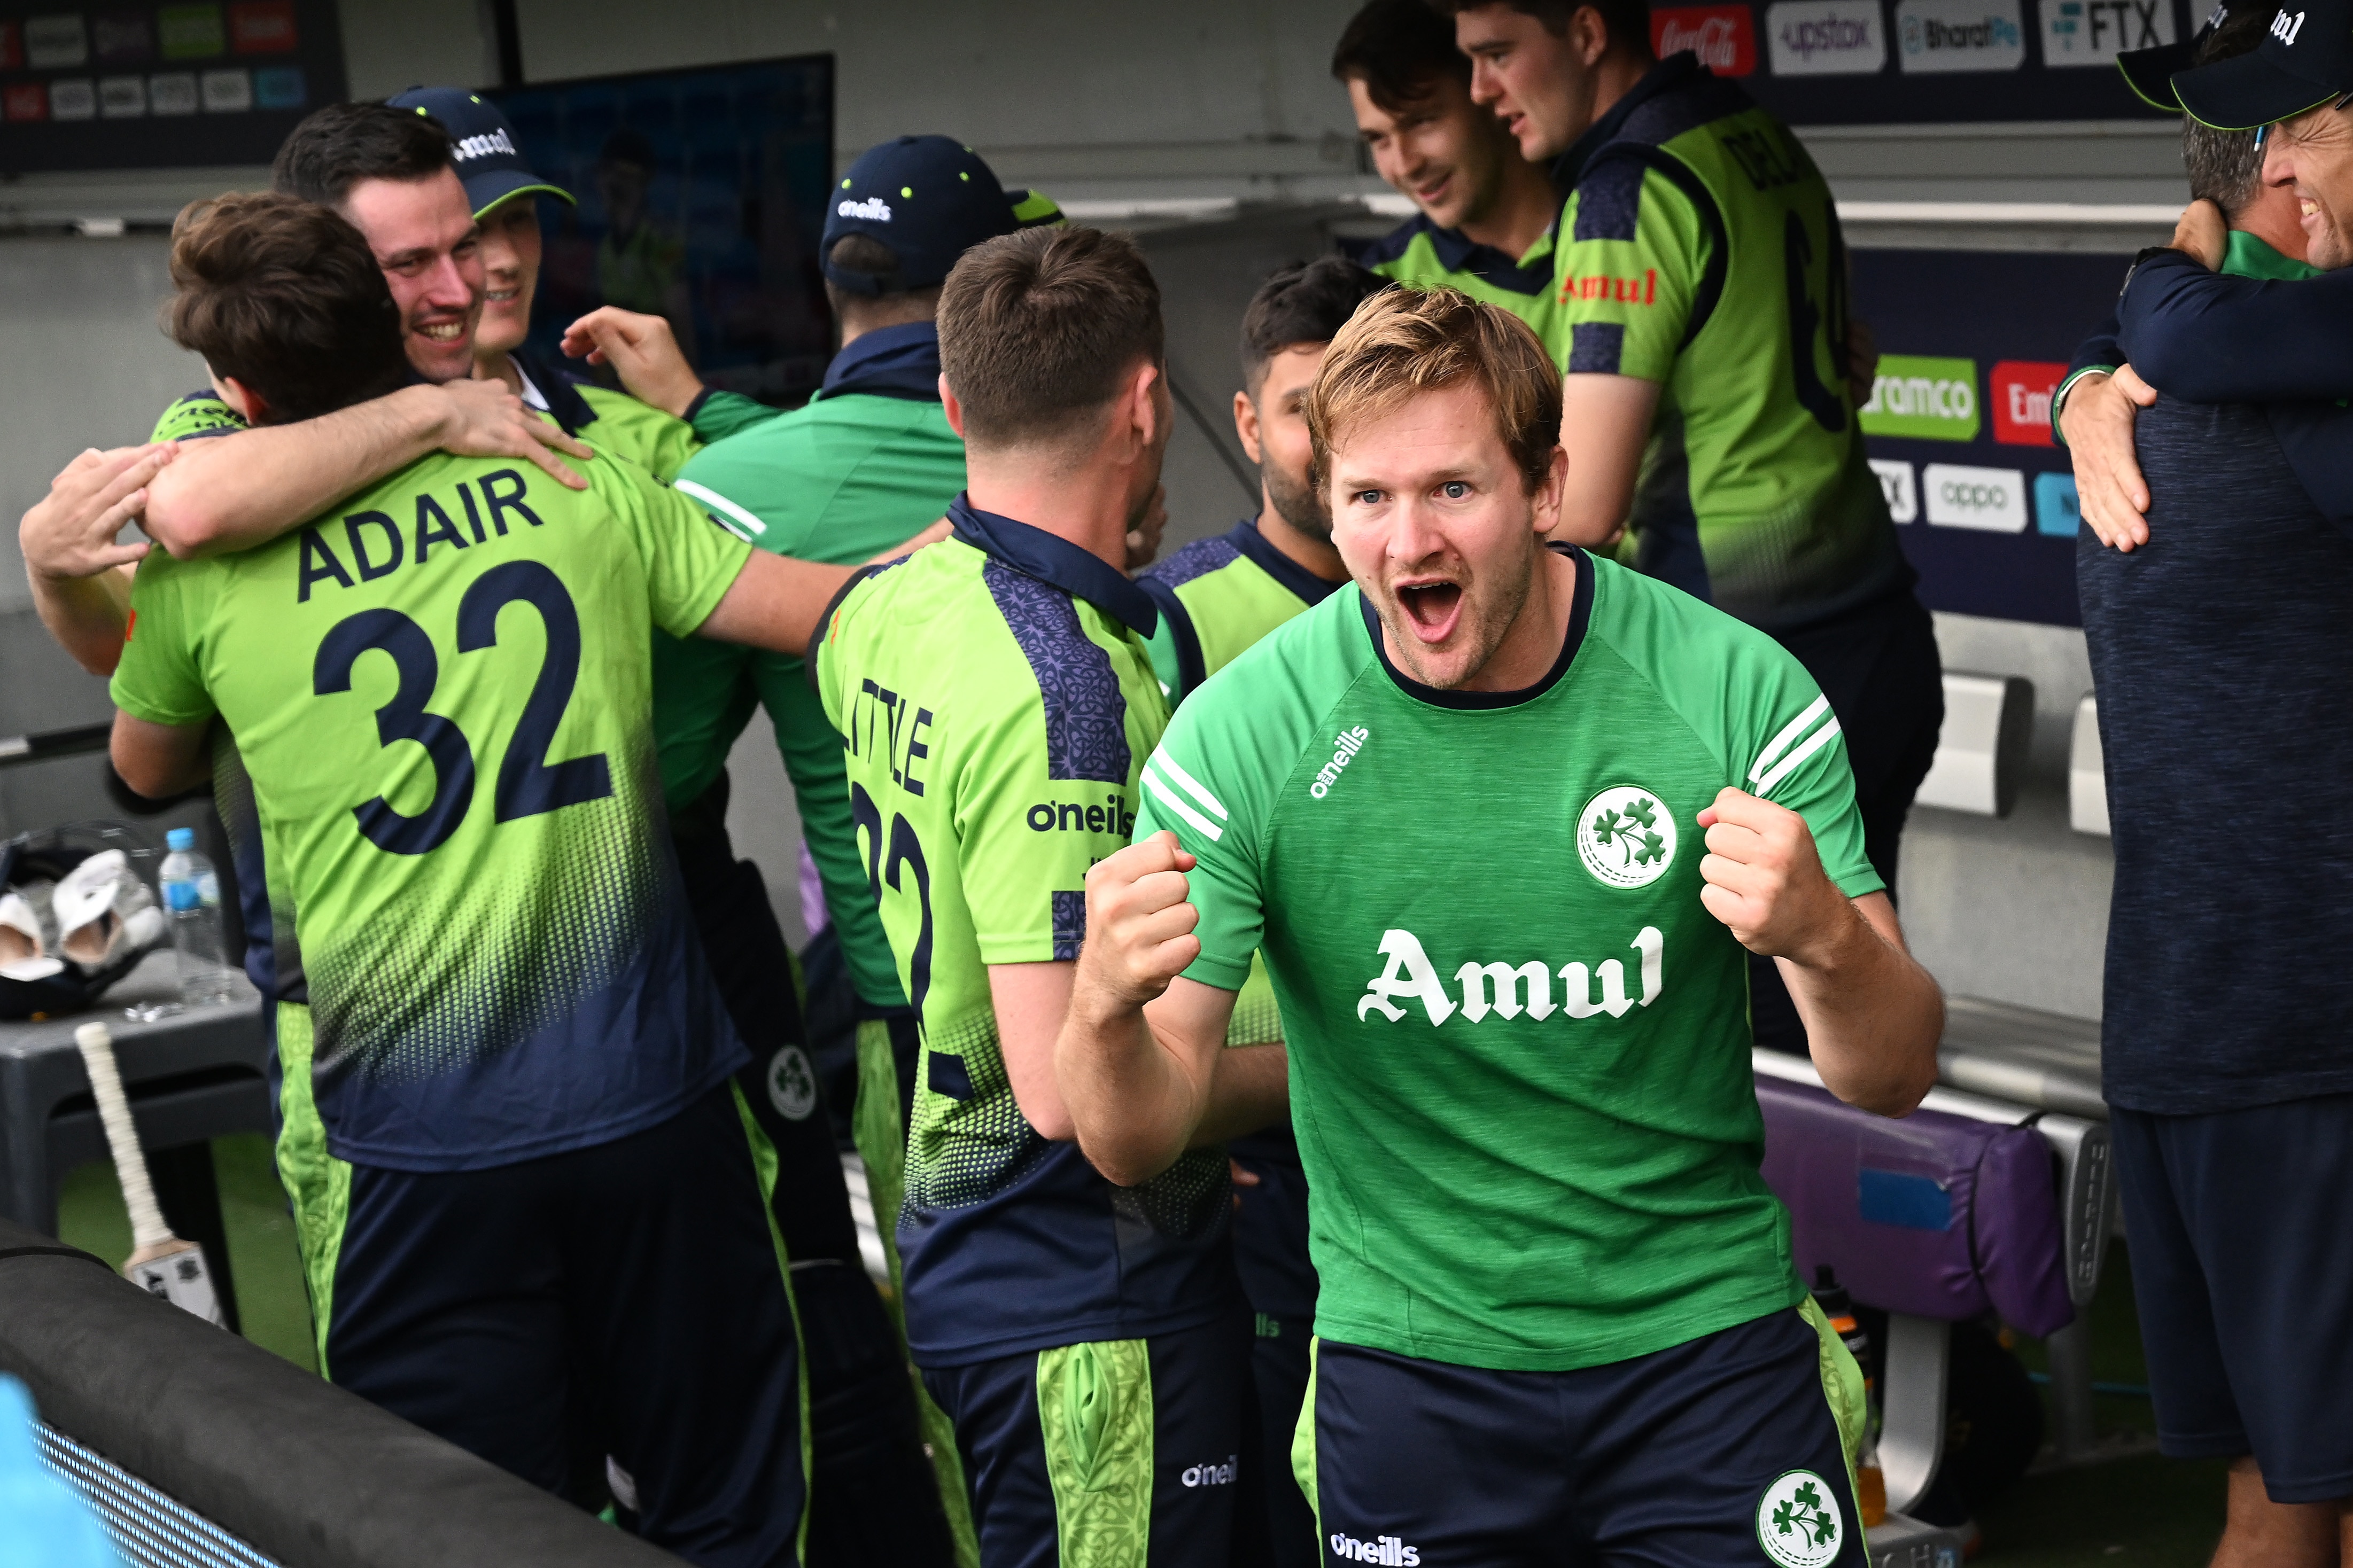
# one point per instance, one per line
(559, 387)
(1246, 539)
(889, 361)
(1056, 563)
(1679, 69)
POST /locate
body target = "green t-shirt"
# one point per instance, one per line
(439, 690)
(1419, 253)
(1519, 1044)
(994, 702)
(840, 480)
(1703, 252)
(1218, 596)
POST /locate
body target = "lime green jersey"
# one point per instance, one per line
(441, 694)
(1701, 250)
(1519, 1044)
(840, 480)
(995, 700)
(1218, 596)
(1419, 253)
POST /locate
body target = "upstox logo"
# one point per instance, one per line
(483, 146)
(1388, 1549)
(873, 209)
(1926, 399)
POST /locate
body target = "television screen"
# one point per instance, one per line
(701, 196)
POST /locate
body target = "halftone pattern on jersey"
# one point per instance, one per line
(973, 1144)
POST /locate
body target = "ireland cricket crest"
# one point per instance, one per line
(1626, 836)
(1797, 1522)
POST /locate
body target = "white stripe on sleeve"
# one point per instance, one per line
(736, 521)
(1169, 798)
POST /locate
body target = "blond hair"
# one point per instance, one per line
(1402, 342)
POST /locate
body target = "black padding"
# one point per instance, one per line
(308, 1474)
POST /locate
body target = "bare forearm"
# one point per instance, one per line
(1873, 1018)
(775, 603)
(1132, 1106)
(232, 492)
(1251, 1089)
(86, 616)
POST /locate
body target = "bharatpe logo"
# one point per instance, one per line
(873, 209)
(1826, 37)
(1213, 1475)
(1798, 1522)
(1348, 742)
(483, 146)
(1383, 1549)
(1924, 398)
(1962, 35)
(1626, 838)
(1515, 988)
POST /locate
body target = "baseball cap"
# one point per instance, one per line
(2305, 60)
(2150, 72)
(489, 163)
(929, 199)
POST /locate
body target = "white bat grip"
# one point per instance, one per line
(147, 1226)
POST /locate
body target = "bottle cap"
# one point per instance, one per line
(181, 838)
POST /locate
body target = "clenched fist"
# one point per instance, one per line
(1765, 879)
(1139, 925)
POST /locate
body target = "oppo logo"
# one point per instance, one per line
(1961, 496)
(1977, 498)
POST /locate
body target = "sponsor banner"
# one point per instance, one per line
(23, 101)
(73, 98)
(2093, 32)
(11, 48)
(1924, 397)
(122, 36)
(122, 98)
(2057, 511)
(1826, 37)
(53, 43)
(263, 27)
(172, 92)
(1959, 35)
(1723, 37)
(1960, 496)
(1895, 482)
(281, 87)
(190, 32)
(2021, 390)
(228, 93)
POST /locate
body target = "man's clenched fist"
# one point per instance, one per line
(1764, 878)
(1139, 925)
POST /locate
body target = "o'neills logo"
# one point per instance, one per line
(484, 147)
(1213, 1475)
(874, 209)
(1642, 290)
(1349, 742)
(1387, 1550)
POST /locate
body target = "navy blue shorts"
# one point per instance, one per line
(1722, 1451)
(623, 1300)
(2240, 1224)
(1280, 1368)
(1132, 1450)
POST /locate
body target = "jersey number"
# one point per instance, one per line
(528, 784)
(1805, 319)
(886, 857)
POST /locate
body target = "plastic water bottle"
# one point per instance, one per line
(1870, 1480)
(191, 900)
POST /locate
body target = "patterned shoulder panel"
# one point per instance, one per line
(1197, 559)
(1086, 730)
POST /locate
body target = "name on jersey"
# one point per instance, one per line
(1642, 290)
(376, 544)
(878, 714)
(1110, 815)
(483, 146)
(1508, 990)
(1345, 744)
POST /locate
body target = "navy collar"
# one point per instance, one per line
(1457, 252)
(1056, 563)
(1580, 615)
(889, 361)
(1679, 69)
(557, 384)
(1245, 537)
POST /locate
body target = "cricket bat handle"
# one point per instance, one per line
(147, 1226)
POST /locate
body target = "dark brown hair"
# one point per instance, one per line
(2225, 167)
(1628, 21)
(1399, 50)
(1405, 342)
(1040, 328)
(1305, 302)
(339, 146)
(285, 296)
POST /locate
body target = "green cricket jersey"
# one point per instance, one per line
(994, 702)
(441, 693)
(871, 462)
(1218, 596)
(1419, 253)
(1519, 1045)
(1703, 252)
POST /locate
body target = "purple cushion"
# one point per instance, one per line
(1937, 1215)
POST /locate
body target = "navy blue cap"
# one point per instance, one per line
(489, 163)
(2150, 72)
(2305, 60)
(930, 199)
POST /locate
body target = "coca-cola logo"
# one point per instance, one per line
(1722, 37)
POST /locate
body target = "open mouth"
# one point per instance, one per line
(442, 331)
(501, 296)
(2307, 208)
(1431, 609)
